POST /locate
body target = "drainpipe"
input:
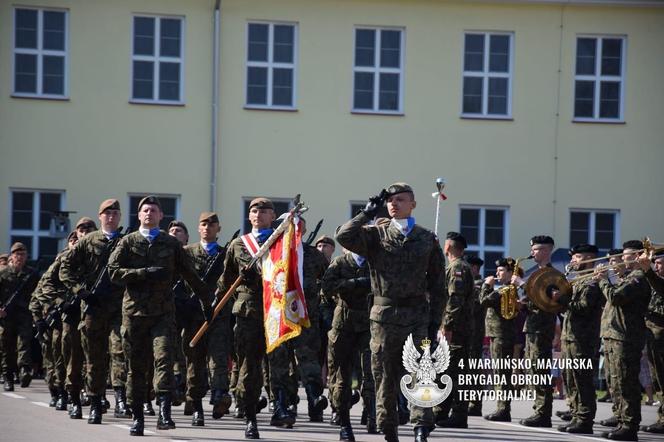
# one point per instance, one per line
(215, 106)
(557, 123)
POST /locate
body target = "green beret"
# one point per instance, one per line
(261, 203)
(395, 188)
(150, 199)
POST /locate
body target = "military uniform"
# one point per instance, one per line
(403, 269)
(16, 327)
(347, 280)
(655, 342)
(624, 332)
(477, 341)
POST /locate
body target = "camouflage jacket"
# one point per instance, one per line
(539, 321)
(342, 269)
(583, 312)
(496, 326)
(36, 307)
(81, 266)
(248, 297)
(27, 279)
(50, 291)
(627, 304)
(656, 306)
(404, 270)
(313, 268)
(479, 312)
(201, 260)
(143, 296)
(458, 317)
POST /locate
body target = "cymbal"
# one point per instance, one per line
(539, 285)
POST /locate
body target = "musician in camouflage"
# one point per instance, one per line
(477, 341)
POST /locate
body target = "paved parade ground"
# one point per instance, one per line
(25, 416)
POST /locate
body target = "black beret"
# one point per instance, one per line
(614, 252)
(541, 239)
(475, 260)
(457, 237)
(508, 263)
(176, 223)
(150, 199)
(633, 244)
(583, 248)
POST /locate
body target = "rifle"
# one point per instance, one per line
(7, 305)
(312, 235)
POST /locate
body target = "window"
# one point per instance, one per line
(32, 211)
(487, 75)
(170, 205)
(486, 231)
(598, 227)
(599, 79)
(378, 71)
(40, 53)
(158, 60)
(271, 74)
(281, 205)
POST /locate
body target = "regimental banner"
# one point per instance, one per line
(284, 304)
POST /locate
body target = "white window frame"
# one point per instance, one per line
(591, 224)
(598, 78)
(485, 75)
(35, 232)
(270, 65)
(157, 59)
(131, 195)
(481, 248)
(377, 70)
(40, 53)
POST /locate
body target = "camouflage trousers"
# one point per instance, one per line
(196, 361)
(250, 349)
(503, 348)
(100, 338)
(387, 340)
(655, 348)
(539, 346)
(347, 339)
(54, 365)
(459, 407)
(625, 358)
(580, 383)
(72, 356)
(219, 349)
(15, 339)
(475, 350)
(147, 343)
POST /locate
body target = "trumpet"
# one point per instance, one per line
(648, 247)
(509, 294)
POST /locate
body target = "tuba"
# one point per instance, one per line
(509, 298)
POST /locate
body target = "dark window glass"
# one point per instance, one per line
(498, 96)
(143, 79)
(48, 248)
(256, 85)
(54, 30)
(144, 30)
(473, 59)
(490, 259)
(389, 92)
(365, 46)
(470, 221)
(25, 66)
(579, 228)
(472, 95)
(499, 53)
(258, 37)
(586, 49)
(168, 206)
(169, 81)
(604, 230)
(284, 37)
(611, 54)
(26, 28)
(282, 85)
(364, 84)
(54, 75)
(609, 99)
(494, 227)
(48, 204)
(22, 208)
(390, 46)
(170, 31)
(583, 100)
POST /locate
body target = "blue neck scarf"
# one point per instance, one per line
(262, 235)
(360, 260)
(405, 226)
(150, 234)
(212, 248)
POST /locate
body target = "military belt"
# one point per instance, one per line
(399, 302)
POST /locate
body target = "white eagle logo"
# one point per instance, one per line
(425, 393)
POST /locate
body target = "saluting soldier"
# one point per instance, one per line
(458, 328)
(477, 341)
(406, 263)
(80, 270)
(624, 331)
(15, 322)
(580, 341)
(501, 332)
(146, 263)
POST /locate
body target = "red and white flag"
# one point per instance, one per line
(284, 304)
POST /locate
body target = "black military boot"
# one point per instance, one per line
(281, 417)
(95, 410)
(105, 404)
(54, 396)
(536, 420)
(391, 434)
(178, 393)
(26, 377)
(9, 382)
(147, 409)
(164, 421)
(251, 431)
(121, 408)
(499, 416)
(656, 428)
(221, 402)
(198, 418)
(138, 426)
(316, 404)
(346, 431)
(334, 418)
(578, 427)
(404, 412)
(76, 411)
(371, 417)
(610, 422)
(239, 412)
(622, 433)
(261, 404)
(85, 400)
(421, 434)
(474, 410)
(454, 421)
(565, 415)
(61, 403)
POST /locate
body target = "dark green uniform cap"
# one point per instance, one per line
(176, 223)
(261, 203)
(210, 217)
(150, 199)
(325, 239)
(17, 246)
(395, 188)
